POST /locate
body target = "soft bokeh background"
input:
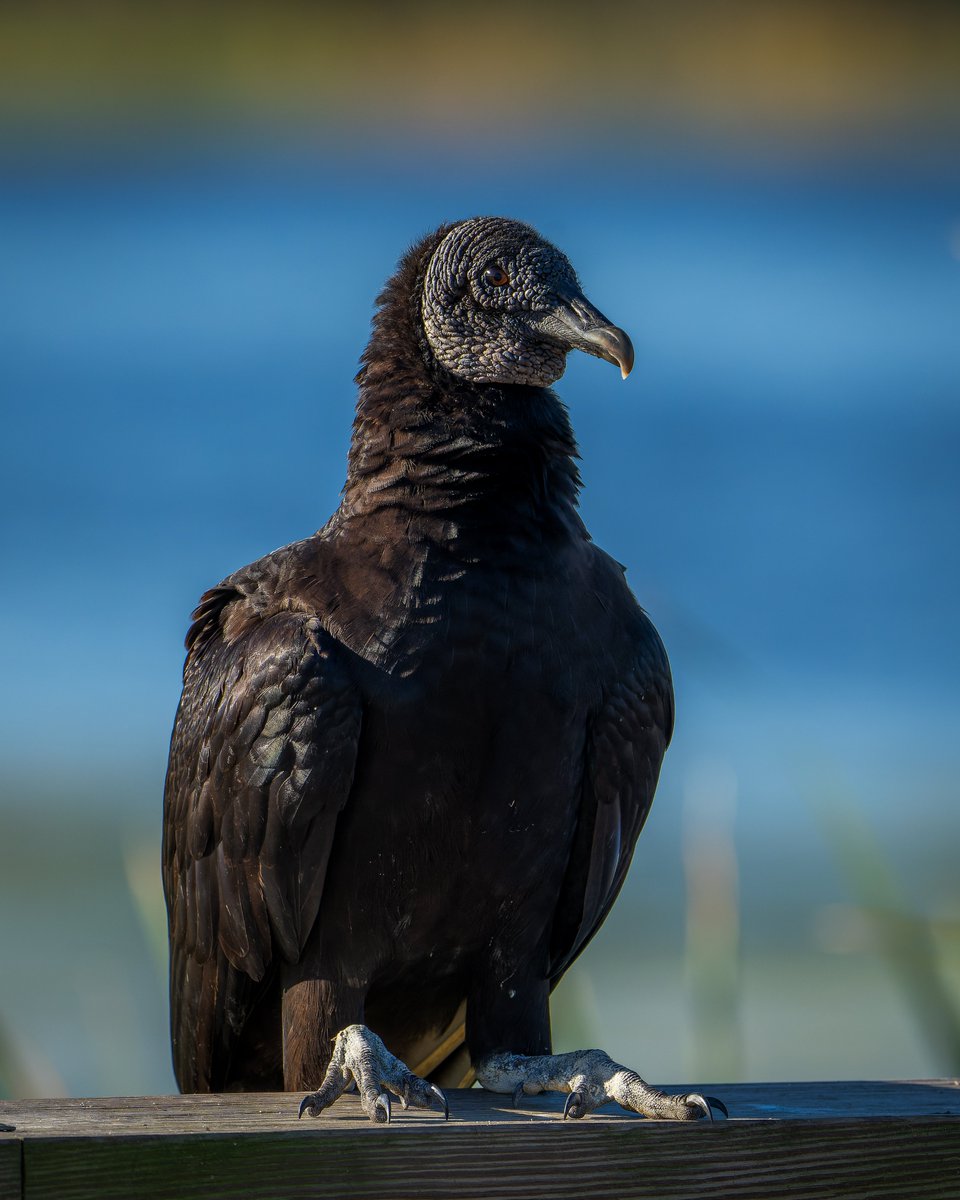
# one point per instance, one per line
(197, 208)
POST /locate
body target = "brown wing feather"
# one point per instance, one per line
(626, 741)
(261, 763)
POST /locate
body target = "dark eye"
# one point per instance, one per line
(495, 275)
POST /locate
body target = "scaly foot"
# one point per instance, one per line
(591, 1078)
(360, 1057)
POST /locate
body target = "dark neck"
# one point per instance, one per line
(440, 453)
(496, 454)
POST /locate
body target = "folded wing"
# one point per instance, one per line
(261, 763)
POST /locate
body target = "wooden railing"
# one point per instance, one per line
(782, 1140)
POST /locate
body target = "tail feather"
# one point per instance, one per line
(443, 1057)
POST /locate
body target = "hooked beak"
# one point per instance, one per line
(580, 326)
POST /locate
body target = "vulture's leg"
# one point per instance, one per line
(360, 1056)
(591, 1078)
(517, 1013)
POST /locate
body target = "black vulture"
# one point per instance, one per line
(414, 751)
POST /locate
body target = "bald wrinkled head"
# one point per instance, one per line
(501, 305)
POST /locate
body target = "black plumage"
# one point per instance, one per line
(414, 751)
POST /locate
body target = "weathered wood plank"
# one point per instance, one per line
(919, 1158)
(272, 1112)
(798, 1141)
(10, 1154)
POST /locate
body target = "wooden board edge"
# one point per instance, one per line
(833, 1158)
(11, 1167)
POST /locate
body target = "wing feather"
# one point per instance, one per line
(261, 764)
(626, 741)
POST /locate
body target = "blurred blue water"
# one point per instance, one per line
(779, 475)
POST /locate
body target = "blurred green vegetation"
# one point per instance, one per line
(814, 73)
(84, 962)
(915, 947)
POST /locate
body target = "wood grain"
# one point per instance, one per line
(10, 1154)
(783, 1140)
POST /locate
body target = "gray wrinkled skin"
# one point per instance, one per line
(360, 1058)
(489, 334)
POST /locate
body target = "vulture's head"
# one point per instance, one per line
(501, 305)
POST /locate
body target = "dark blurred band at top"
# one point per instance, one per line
(862, 78)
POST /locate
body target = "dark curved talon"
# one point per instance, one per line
(573, 1101)
(518, 1095)
(383, 1103)
(307, 1105)
(718, 1104)
(443, 1100)
(706, 1104)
